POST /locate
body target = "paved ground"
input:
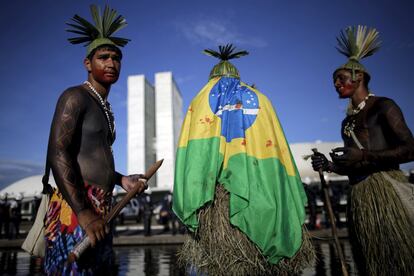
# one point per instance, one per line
(131, 234)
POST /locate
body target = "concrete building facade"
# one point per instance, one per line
(154, 123)
(169, 118)
(141, 125)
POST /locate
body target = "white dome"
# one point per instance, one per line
(28, 187)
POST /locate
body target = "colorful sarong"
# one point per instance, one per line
(63, 232)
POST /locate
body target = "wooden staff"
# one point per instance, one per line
(80, 247)
(328, 206)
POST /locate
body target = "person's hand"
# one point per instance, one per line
(346, 156)
(130, 181)
(319, 161)
(93, 225)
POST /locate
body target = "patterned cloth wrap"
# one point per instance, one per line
(63, 232)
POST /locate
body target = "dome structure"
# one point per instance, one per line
(27, 187)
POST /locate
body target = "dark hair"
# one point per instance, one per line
(105, 47)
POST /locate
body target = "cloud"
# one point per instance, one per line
(13, 170)
(214, 32)
(183, 79)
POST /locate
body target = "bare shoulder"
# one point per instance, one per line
(384, 102)
(74, 95)
(387, 107)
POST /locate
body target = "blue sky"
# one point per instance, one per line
(292, 56)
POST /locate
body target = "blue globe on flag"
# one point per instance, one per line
(236, 105)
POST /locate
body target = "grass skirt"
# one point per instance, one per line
(218, 248)
(380, 229)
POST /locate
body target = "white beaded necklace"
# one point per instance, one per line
(353, 111)
(105, 108)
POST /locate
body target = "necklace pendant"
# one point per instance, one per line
(349, 128)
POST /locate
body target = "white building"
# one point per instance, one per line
(141, 125)
(169, 117)
(154, 123)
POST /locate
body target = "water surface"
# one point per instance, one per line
(161, 260)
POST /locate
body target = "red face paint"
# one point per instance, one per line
(343, 84)
(105, 66)
(347, 90)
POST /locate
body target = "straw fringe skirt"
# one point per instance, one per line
(221, 249)
(381, 227)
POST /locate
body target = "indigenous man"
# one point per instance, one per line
(236, 184)
(376, 140)
(80, 154)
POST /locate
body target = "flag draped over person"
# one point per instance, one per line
(231, 137)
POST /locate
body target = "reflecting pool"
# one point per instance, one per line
(161, 260)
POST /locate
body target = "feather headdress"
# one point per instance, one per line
(224, 67)
(100, 33)
(357, 43)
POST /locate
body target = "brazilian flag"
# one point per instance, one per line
(232, 136)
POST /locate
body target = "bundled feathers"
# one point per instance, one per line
(224, 67)
(358, 42)
(225, 52)
(101, 32)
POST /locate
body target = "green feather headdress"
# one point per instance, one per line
(99, 34)
(224, 67)
(357, 43)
